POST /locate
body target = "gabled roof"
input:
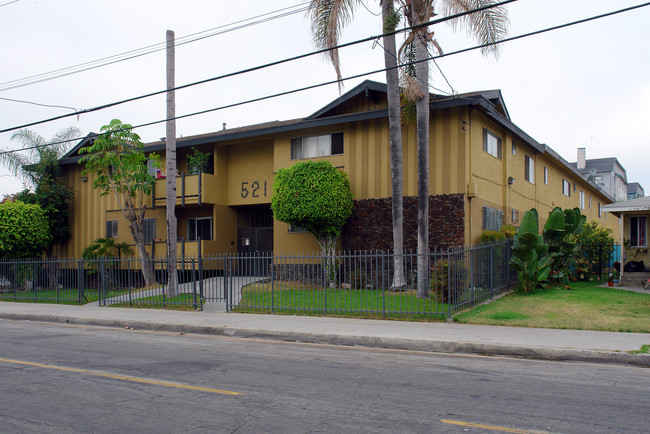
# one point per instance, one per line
(86, 141)
(639, 204)
(489, 102)
(602, 165)
(366, 87)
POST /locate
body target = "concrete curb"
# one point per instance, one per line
(447, 347)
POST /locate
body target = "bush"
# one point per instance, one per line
(440, 280)
(491, 236)
(509, 231)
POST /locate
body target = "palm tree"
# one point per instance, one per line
(328, 17)
(487, 26)
(38, 167)
(40, 158)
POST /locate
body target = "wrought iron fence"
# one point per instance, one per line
(348, 283)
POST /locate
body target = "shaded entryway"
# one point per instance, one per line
(254, 237)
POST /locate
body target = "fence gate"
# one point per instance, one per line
(254, 238)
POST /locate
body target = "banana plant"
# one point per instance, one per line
(563, 226)
(531, 258)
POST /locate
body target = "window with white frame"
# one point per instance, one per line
(529, 169)
(111, 229)
(545, 175)
(589, 202)
(566, 187)
(638, 232)
(492, 219)
(149, 226)
(316, 146)
(582, 199)
(491, 143)
(514, 148)
(199, 229)
(515, 215)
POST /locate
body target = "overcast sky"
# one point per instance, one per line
(585, 86)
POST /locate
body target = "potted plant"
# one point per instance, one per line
(198, 161)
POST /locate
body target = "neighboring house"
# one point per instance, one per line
(635, 214)
(484, 172)
(634, 190)
(608, 173)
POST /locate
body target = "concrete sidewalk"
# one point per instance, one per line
(545, 344)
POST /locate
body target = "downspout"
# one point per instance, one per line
(622, 225)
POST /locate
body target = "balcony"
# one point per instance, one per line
(195, 189)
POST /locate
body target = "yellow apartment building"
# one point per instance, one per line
(484, 172)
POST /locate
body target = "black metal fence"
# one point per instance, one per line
(347, 283)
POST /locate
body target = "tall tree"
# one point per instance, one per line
(38, 167)
(328, 18)
(117, 161)
(487, 26)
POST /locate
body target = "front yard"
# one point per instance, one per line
(585, 306)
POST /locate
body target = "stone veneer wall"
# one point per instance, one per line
(371, 225)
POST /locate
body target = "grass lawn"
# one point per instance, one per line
(180, 302)
(60, 296)
(584, 307)
(295, 298)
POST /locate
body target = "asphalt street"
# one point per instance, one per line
(63, 378)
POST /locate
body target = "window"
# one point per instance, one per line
(515, 215)
(514, 148)
(566, 187)
(111, 229)
(545, 175)
(638, 232)
(530, 169)
(582, 199)
(491, 143)
(574, 187)
(600, 212)
(589, 202)
(492, 219)
(149, 230)
(199, 228)
(316, 146)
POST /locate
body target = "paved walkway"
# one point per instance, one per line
(546, 344)
(213, 289)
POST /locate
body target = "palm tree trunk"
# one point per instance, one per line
(422, 107)
(396, 166)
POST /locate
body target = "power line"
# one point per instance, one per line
(149, 49)
(255, 68)
(38, 104)
(464, 50)
(8, 3)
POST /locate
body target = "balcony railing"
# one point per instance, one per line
(190, 190)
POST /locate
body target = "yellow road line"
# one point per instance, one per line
(489, 427)
(123, 377)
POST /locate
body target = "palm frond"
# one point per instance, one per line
(66, 136)
(486, 26)
(328, 17)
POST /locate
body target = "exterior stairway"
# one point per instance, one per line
(635, 279)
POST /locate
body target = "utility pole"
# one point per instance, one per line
(170, 139)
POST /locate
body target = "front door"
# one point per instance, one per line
(254, 239)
